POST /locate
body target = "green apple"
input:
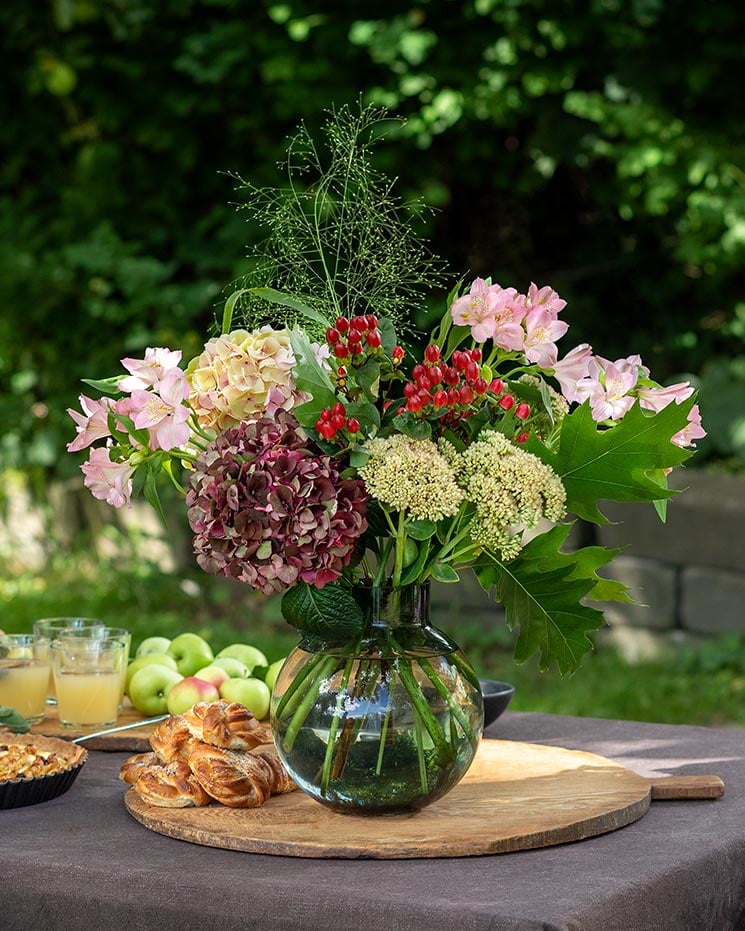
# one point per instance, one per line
(149, 687)
(188, 692)
(234, 667)
(153, 645)
(253, 693)
(273, 671)
(249, 655)
(212, 674)
(149, 659)
(191, 652)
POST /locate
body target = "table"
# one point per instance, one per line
(81, 861)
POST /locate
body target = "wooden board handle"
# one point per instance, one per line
(681, 787)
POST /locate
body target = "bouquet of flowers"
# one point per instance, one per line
(327, 452)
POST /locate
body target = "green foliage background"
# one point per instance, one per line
(595, 146)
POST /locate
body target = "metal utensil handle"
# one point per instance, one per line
(122, 727)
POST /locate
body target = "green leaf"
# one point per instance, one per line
(105, 385)
(412, 426)
(287, 300)
(367, 377)
(616, 463)
(150, 489)
(543, 592)
(421, 529)
(442, 572)
(13, 720)
(387, 335)
(367, 414)
(227, 314)
(330, 612)
(312, 377)
(413, 571)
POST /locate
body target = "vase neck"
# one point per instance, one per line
(386, 606)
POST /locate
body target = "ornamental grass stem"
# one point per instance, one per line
(455, 711)
(331, 747)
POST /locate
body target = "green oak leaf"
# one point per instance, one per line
(619, 463)
(543, 592)
(330, 613)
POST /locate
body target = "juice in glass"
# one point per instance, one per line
(49, 628)
(87, 679)
(24, 675)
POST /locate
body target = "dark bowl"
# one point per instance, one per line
(497, 695)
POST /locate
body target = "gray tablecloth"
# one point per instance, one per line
(82, 862)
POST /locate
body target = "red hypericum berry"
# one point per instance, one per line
(338, 421)
(409, 389)
(341, 371)
(372, 322)
(354, 337)
(327, 431)
(353, 425)
(338, 408)
(523, 437)
(423, 383)
(454, 397)
(480, 386)
(414, 405)
(476, 354)
(332, 335)
(440, 398)
(373, 339)
(460, 360)
(423, 397)
(355, 348)
(325, 414)
(319, 424)
(507, 402)
(341, 351)
(522, 411)
(471, 371)
(342, 324)
(496, 385)
(466, 395)
(432, 353)
(418, 371)
(434, 374)
(450, 376)
(360, 324)
(397, 354)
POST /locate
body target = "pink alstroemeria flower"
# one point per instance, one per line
(692, 431)
(150, 371)
(542, 330)
(570, 371)
(92, 424)
(477, 310)
(162, 413)
(109, 481)
(608, 386)
(655, 399)
(544, 299)
(509, 312)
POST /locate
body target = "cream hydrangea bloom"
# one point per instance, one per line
(243, 376)
(411, 476)
(510, 488)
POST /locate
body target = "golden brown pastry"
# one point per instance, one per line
(225, 724)
(170, 786)
(236, 779)
(280, 781)
(172, 739)
(131, 768)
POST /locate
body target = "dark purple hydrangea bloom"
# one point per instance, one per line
(268, 509)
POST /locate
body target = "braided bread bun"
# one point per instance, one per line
(226, 724)
(172, 739)
(170, 786)
(280, 780)
(132, 768)
(236, 779)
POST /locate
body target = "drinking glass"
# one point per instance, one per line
(24, 674)
(87, 679)
(101, 630)
(48, 628)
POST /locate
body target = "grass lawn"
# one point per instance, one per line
(704, 685)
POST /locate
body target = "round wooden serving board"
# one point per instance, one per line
(515, 796)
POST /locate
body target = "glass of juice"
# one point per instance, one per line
(87, 679)
(48, 628)
(24, 675)
(99, 629)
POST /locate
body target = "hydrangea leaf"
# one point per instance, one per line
(330, 613)
(544, 592)
(618, 463)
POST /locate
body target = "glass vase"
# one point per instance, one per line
(387, 723)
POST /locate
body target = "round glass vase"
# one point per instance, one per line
(387, 723)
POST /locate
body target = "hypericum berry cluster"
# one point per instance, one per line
(332, 420)
(353, 336)
(437, 384)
